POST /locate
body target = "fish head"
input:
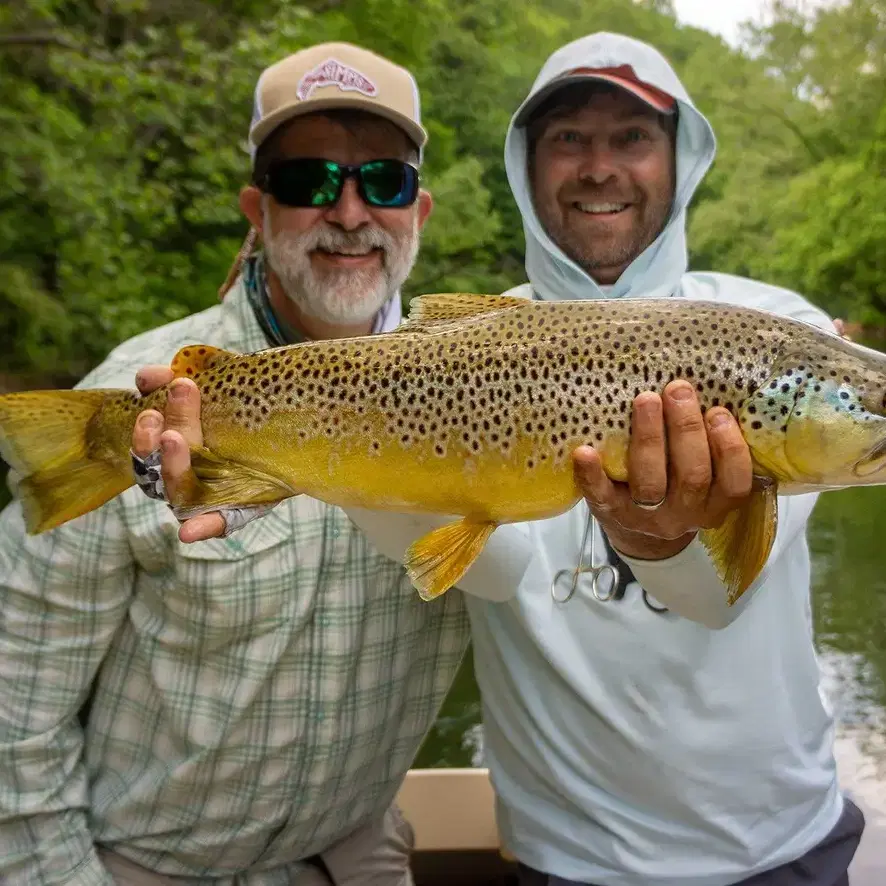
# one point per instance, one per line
(819, 420)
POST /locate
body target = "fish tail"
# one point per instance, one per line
(57, 443)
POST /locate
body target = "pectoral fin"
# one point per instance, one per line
(439, 559)
(741, 545)
(214, 483)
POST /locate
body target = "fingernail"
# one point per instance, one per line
(718, 419)
(178, 392)
(166, 446)
(150, 421)
(681, 393)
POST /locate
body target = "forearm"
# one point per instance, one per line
(494, 575)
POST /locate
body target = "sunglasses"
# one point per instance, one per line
(315, 182)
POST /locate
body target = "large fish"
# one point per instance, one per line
(472, 408)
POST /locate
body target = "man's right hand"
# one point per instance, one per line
(174, 434)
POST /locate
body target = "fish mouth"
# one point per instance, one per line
(873, 462)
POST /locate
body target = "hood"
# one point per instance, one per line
(657, 271)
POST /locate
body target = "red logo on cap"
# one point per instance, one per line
(334, 73)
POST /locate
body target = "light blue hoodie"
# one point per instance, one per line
(630, 748)
(627, 747)
(659, 270)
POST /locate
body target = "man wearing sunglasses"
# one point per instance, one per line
(680, 744)
(241, 710)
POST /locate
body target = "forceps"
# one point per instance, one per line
(595, 571)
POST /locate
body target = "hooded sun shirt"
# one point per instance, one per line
(635, 748)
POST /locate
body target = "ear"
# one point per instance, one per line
(425, 205)
(250, 206)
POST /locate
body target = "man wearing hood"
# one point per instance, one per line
(661, 738)
(631, 746)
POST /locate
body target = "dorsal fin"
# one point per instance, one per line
(192, 359)
(445, 307)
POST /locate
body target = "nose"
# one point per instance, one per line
(349, 212)
(598, 165)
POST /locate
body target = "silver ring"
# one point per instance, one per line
(654, 506)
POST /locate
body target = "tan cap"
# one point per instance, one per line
(335, 75)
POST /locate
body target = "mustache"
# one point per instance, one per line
(602, 195)
(334, 240)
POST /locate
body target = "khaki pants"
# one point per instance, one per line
(375, 855)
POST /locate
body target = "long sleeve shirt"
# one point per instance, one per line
(247, 701)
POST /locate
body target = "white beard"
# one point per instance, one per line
(342, 297)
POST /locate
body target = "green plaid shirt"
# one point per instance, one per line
(254, 699)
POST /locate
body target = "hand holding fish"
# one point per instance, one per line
(687, 471)
(174, 434)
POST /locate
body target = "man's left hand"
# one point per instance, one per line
(689, 469)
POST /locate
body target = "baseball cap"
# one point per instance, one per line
(335, 75)
(622, 76)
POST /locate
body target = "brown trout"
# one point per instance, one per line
(472, 408)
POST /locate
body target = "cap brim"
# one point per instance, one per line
(268, 124)
(636, 89)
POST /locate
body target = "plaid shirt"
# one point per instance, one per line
(254, 699)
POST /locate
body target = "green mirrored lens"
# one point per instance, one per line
(386, 183)
(305, 183)
(326, 191)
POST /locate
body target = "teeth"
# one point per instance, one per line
(599, 208)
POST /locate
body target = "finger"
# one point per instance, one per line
(211, 525)
(183, 411)
(647, 451)
(732, 462)
(178, 477)
(689, 453)
(146, 433)
(149, 378)
(840, 328)
(179, 480)
(598, 490)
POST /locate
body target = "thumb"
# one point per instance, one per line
(149, 378)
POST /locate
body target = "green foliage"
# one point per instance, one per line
(122, 148)
(800, 196)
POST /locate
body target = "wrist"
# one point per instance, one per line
(640, 546)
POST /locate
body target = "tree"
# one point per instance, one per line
(123, 122)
